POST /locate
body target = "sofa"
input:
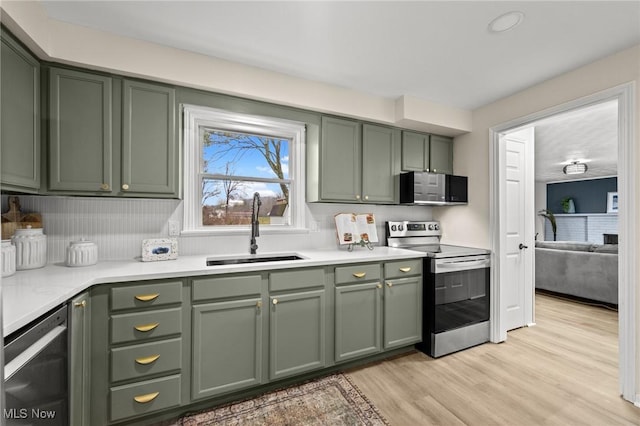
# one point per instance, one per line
(579, 269)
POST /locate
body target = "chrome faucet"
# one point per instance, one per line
(255, 225)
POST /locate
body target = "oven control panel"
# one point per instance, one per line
(413, 229)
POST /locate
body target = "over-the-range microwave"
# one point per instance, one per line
(432, 189)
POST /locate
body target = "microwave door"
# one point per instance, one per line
(429, 187)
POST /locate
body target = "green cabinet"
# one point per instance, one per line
(426, 153)
(20, 117)
(358, 311)
(358, 163)
(79, 359)
(297, 318)
(111, 137)
(402, 303)
(369, 319)
(227, 334)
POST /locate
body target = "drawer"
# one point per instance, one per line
(139, 326)
(357, 273)
(142, 360)
(226, 286)
(144, 397)
(296, 279)
(403, 268)
(146, 295)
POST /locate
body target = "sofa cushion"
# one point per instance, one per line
(606, 248)
(566, 245)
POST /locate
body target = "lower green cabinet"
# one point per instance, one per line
(296, 333)
(227, 346)
(402, 311)
(358, 316)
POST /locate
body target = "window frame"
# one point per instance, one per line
(195, 117)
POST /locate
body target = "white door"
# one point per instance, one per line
(516, 228)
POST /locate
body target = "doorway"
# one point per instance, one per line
(627, 272)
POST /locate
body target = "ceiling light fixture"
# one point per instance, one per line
(506, 22)
(575, 168)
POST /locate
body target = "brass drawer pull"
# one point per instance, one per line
(81, 304)
(147, 297)
(359, 274)
(143, 399)
(405, 269)
(147, 327)
(147, 359)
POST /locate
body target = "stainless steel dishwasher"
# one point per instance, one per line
(35, 373)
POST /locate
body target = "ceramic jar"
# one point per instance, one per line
(82, 253)
(31, 248)
(8, 258)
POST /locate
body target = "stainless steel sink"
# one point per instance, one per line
(251, 259)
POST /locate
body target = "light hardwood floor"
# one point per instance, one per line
(562, 371)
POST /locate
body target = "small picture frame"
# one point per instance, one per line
(159, 249)
(612, 202)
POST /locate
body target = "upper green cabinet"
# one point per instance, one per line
(354, 163)
(426, 153)
(109, 136)
(80, 132)
(20, 118)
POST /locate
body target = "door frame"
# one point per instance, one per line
(627, 227)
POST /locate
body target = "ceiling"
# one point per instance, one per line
(438, 51)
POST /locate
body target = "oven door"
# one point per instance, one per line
(458, 292)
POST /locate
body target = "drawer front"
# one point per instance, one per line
(144, 397)
(296, 279)
(146, 359)
(145, 325)
(403, 268)
(357, 273)
(226, 286)
(146, 295)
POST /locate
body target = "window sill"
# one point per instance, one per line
(241, 231)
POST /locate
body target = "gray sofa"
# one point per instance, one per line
(579, 269)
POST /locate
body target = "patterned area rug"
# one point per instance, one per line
(331, 400)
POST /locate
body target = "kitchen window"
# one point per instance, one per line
(230, 156)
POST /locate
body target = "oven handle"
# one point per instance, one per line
(32, 351)
(452, 266)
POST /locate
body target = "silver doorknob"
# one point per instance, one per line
(522, 246)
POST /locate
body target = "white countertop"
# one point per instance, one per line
(32, 293)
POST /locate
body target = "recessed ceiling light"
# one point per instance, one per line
(506, 22)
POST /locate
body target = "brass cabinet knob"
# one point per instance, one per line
(427, 169)
(104, 187)
(366, 197)
(434, 170)
(80, 304)
(143, 399)
(259, 304)
(275, 301)
(125, 187)
(389, 284)
(379, 285)
(358, 197)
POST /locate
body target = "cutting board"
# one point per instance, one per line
(15, 219)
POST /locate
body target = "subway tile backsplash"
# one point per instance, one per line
(118, 226)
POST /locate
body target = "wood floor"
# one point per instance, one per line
(563, 371)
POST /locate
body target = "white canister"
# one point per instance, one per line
(31, 248)
(8, 258)
(82, 253)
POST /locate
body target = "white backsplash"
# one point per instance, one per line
(118, 226)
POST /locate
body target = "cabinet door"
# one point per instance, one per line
(79, 360)
(227, 347)
(340, 163)
(402, 312)
(415, 152)
(441, 154)
(20, 117)
(149, 151)
(378, 164)
(358, 320)
(296, 333)
(80, 139)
